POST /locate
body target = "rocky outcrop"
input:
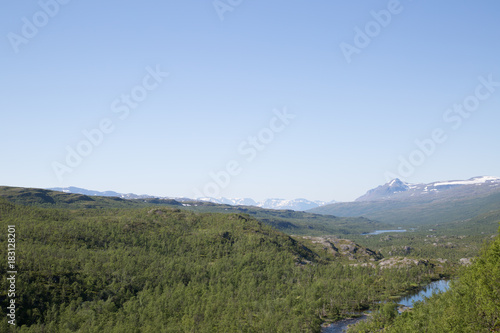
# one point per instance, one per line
(465, 261)
(402, 262)
(344, 248)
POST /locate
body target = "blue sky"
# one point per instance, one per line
(349, 119)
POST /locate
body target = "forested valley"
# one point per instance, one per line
(167, 269)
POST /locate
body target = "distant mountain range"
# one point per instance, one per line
(400, 203)
(78, 190)
(398, 190)
(392, 202)
(295, 204)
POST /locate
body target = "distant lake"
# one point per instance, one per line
(378, 232)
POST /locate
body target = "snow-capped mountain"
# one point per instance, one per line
(399, 190)
(295, 204)
(232, 202)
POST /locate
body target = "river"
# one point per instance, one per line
(433, 287)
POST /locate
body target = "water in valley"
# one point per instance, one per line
(434, 287)
(378, 232)
(408, 301)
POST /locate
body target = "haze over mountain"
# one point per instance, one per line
(294, 204)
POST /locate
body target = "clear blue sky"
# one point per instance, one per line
(353, 123)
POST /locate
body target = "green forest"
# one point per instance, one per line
(146, 267)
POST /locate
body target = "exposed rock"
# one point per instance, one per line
(465, 261)
(156, 211)
(399, 262)
(344, 248)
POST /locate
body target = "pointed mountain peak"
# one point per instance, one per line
(396, 182)
(385, 191)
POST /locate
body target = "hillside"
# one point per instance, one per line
(284, 220)
(55, 199)
(456, 203)
(165, 269)
(295, 222)
(440, 190)
(299, 204)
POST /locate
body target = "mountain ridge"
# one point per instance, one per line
(299, 204)
(289, 221)
(399, 190)
(401, 203)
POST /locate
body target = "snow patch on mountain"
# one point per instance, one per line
(273, 203)
(295, 204)
(397, 189)
(472, 181)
